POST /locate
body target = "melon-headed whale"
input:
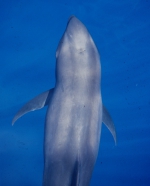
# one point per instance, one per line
(75, 111)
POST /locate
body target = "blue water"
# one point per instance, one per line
(29, 34)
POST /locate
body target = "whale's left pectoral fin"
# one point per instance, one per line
(36, 103)
(106, 119)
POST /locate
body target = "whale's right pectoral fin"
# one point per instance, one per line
(106, 119)
(36, 103)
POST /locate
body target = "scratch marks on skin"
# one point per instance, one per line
(81, 50)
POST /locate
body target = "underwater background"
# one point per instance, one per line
(30, 31)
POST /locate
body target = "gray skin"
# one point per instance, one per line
(75, 112)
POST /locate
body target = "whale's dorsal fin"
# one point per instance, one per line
(34, 104)
(106, 119)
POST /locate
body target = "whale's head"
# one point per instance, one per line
(76, 37)
(77, 55)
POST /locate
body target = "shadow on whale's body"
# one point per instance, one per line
(75, 111)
